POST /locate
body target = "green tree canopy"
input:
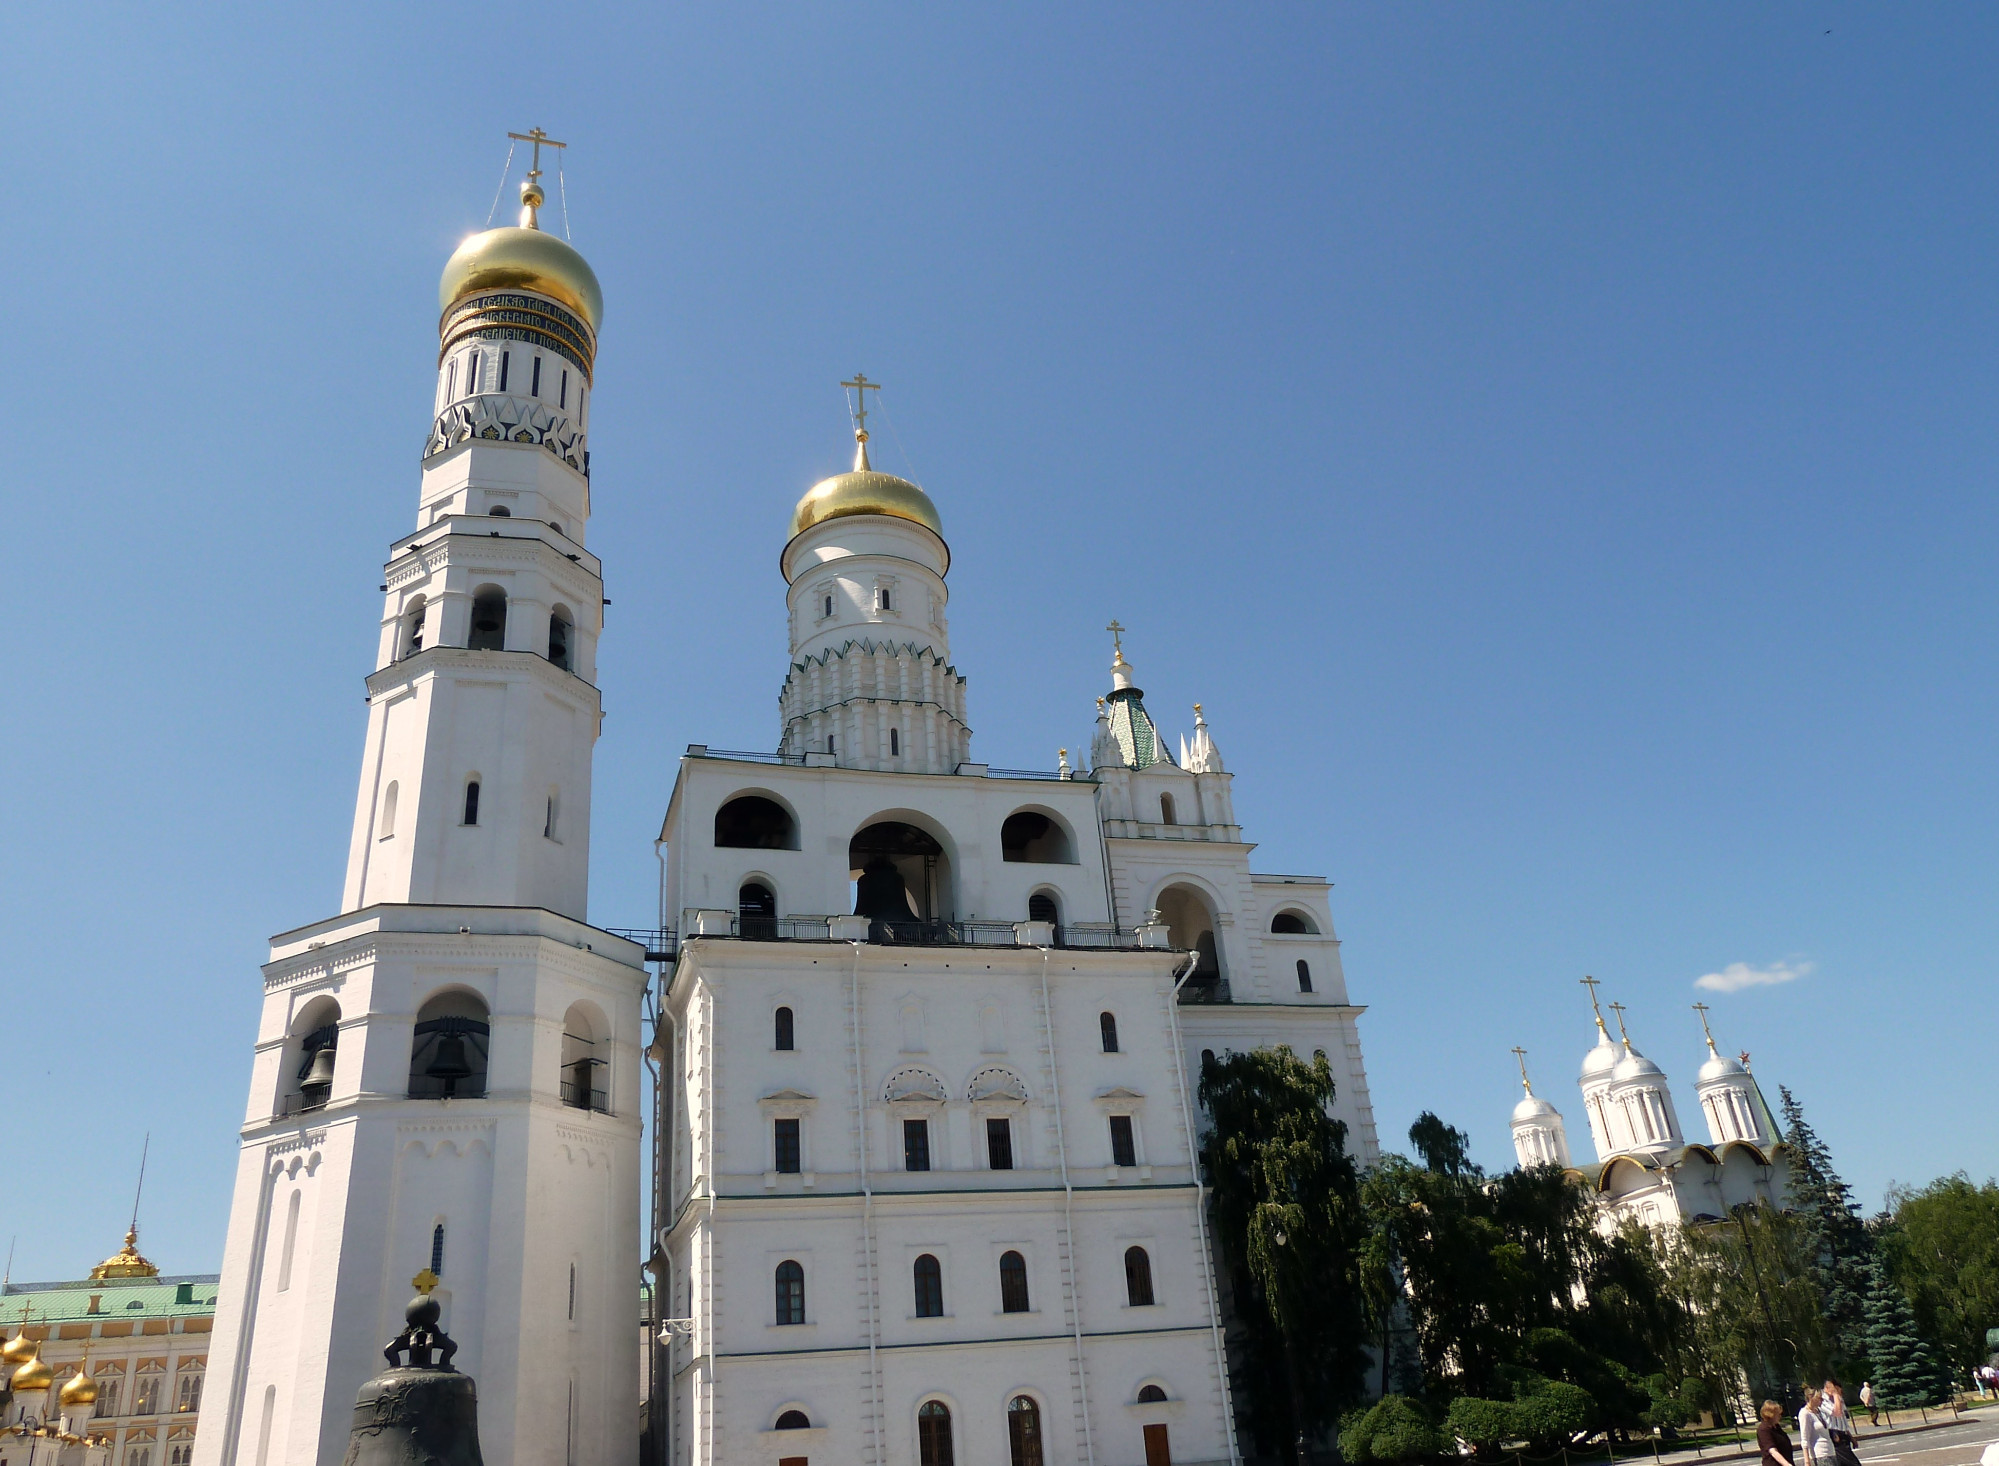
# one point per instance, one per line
(1941, 1244)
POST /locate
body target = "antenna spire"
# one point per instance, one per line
(140, 1189)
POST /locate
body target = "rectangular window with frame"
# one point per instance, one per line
(785, 1144)
(916, 1145)
(146, 1399)
(1123, 1151)
(999, 1144)
(190, 1393)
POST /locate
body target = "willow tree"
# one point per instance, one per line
(1287, 1213)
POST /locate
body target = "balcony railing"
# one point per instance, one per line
(303, 1103)
(582, 1097)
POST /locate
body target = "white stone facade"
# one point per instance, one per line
(447, 1075)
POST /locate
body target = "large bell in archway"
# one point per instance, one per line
(449, 1062)
(319, 1073)
(880, 895)
(419, 1411)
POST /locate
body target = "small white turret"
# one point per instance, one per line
(1638, 1102)
(1200, 756)
(1539, 1137)
(1595, 1081)
(1729, 1097)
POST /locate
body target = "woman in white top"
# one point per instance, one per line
(1813, 1438)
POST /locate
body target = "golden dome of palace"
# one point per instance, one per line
(865, 491)
(17, 1350)
(34, 1375)
(80, 1389)
(521, 259)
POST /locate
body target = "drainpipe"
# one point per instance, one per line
(1201, 1204)
(1068, 1214)
(867, 1203)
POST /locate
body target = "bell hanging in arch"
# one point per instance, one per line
(449, 1062)
(319, 1073)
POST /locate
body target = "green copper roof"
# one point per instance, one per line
(1131, 725)
(189, 1295)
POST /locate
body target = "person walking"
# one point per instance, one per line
(1773, 1447)
(1813, 1436)
(1838, 1424)
(1867, 1400)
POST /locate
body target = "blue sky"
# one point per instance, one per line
(1554, 443)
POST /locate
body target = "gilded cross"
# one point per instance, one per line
(862, 386)
(1593, 984)
(1521, 1054)
(424, 1282)
(1117, 636)
(1618, 1009)
(1702, 1009)
(540, 140)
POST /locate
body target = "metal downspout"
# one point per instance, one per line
(1068, 1215)
(867, 1206)
(1201, 1206)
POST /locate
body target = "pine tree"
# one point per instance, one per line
(1846, 1254)
(1905, 1372)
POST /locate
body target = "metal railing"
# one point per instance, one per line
(662, 944)
(302, 1103)
(423, 1086)
(582, 1097)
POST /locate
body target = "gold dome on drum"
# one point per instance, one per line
(17, 1350)
(34, 1375)
(80, 1389)
(513, 258)
(865, 492)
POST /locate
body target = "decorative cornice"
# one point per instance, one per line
(433, 659)
(524, 420)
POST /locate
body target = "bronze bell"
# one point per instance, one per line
(449, 1060)
(419, 1411)
(319, 1073)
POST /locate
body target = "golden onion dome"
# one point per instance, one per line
(80, 1389)
(514, 258)
(34, 1375)
(17, 1350)
(865, 492)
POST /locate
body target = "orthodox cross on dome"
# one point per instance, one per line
(1117, 636)
(1521, 1054)
(1623, 1032)
(862, 386)
(1593, 984)
(540, 140)
(1702, 1009)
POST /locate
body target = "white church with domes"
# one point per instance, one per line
(927, 1032)
(1646, 1170)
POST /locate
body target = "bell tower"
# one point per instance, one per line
(447, 1074)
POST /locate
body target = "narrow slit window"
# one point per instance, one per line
(1107, 1023)
(451, 381)
(1137, 1278)
(565, 388)
(784, 1140)
(1304, 976)
(437, 1249)
(472, 802)
(572, 1292)
(548, 820)
(388, 827)
(506, 358)
(829, 742)
(894, 743)
(1013, 1283)
(782, 1039)
(790, 1292)
(534, 382)
(473, 361)
(1166, 810)
(999, 1144)
(929, 1280)
(829, 605)
(1123, 1151)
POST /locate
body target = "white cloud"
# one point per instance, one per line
(1739, 975)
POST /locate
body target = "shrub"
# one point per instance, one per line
(1395, 1429)
(1552, 1413)
(1484, 1424)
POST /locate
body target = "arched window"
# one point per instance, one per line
(489, 620)
(448, 1048)
(894, 743)
(782, 1040)
(471, 801)
(1207, 1057)
(558, 638)
(1033, 838)
(929, 1278)
(1041, 907)
(499, 511)
(1290, 923)
(585, 1080)
(752, 822)
(756, 912)
(1152, 1395)
(933, 1434)
(1023, 1431)
(437, 1249)
(790, 1292)
(1304, 976)
(1013, 1283)
(794, 1420)
(387, 828)
(1166, 810)
(829, 607)
(1137, 1277)
(1107, 1024)
(413, 626)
